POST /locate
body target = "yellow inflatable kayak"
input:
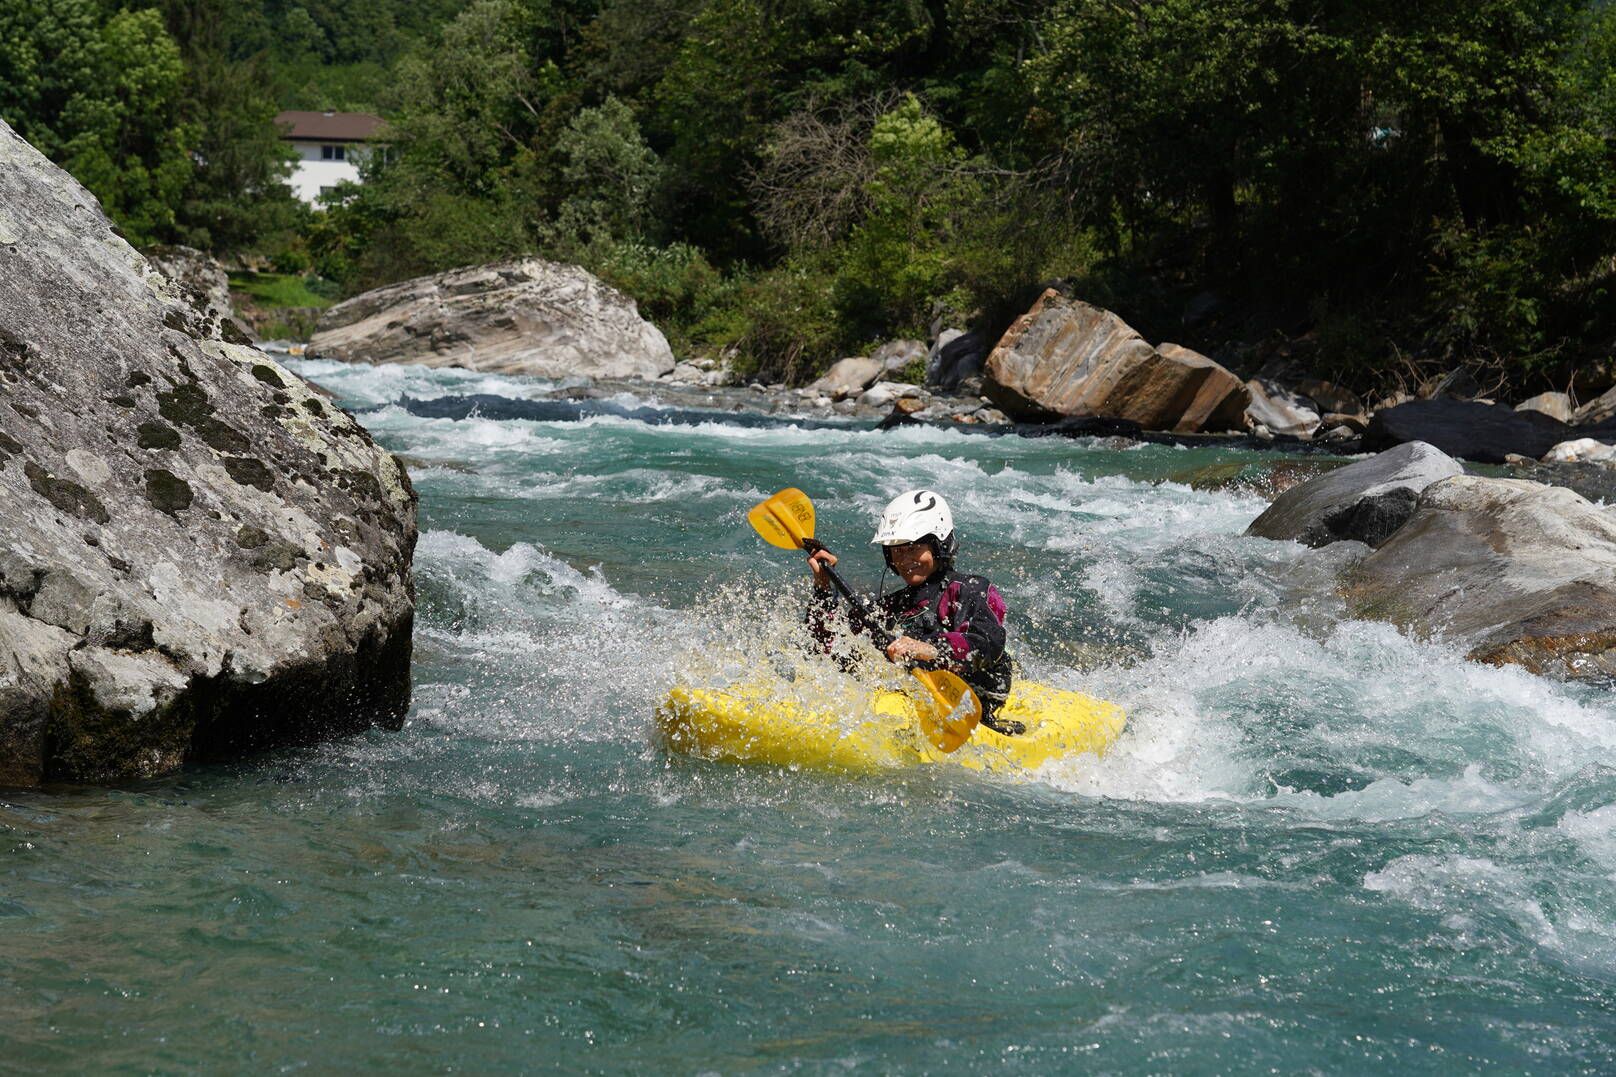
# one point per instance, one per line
(762, 723)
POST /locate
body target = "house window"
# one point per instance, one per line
(333, 153)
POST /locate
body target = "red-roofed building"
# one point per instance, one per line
(329, 146)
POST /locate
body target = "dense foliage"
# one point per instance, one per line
(1365, 186)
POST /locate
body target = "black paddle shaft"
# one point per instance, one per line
(863, 604)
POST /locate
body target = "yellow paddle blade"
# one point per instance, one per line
(948, 710)
(785, 519)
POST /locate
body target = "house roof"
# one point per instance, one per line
(328, 126)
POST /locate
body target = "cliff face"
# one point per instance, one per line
(198, 554)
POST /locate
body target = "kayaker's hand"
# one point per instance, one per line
(815, 560)
(906, 647)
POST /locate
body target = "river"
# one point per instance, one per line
(1320, 846)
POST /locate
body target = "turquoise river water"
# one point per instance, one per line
(1319, 847)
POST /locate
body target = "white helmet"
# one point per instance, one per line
(912, 516)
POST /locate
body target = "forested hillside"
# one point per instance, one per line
(1369, 187)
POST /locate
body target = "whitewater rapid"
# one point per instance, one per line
(1319, 846)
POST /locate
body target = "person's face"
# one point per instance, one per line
(912, 562)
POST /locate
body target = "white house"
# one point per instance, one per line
(329, 146)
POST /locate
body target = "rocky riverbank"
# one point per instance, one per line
(1064, 366)
(1515, 572)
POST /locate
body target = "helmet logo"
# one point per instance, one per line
(931, 503)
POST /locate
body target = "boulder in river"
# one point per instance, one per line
(1366, 501)
(1265, 478)
(199, 555)
(1219, 399)
(956, 357)
(1279, 410)
(1466, 429)
(847, 377)
(1514, 571)
(526, 316)
(1067, 358)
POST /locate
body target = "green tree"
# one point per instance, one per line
(904, 256)
(610, 174)
(746, 64)
(467, 179)
(237, 197)
(102, 98)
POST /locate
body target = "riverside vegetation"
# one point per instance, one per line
(1374, 191)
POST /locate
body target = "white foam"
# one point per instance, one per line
(383, 383)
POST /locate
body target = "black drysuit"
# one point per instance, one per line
(962, 616)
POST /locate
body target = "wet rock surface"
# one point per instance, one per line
(521, 317)
(1364, 501)
(1516, 572)
(199, 555)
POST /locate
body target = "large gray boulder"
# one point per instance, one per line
(189, 267)
(1067, 358)
(1366, 501)
(526, 316)
(1514, 571)
(198, 554)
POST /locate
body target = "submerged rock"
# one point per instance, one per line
(521, 317)
(198, 554)
(1365, 501)
(1593, 480)
(1517, 572)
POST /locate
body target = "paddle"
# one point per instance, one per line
(950, 712)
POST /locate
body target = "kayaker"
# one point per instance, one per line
(942, 619)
